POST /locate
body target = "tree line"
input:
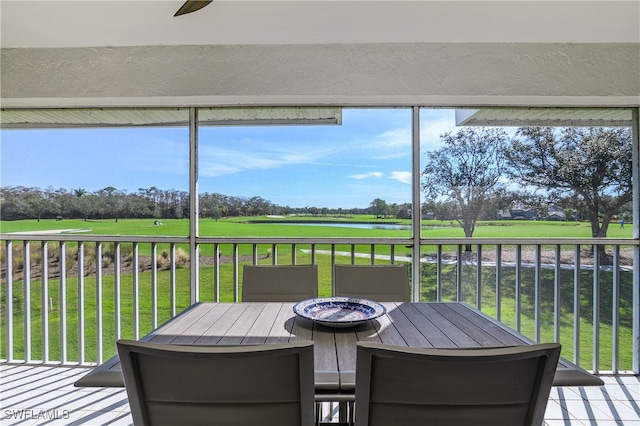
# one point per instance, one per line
(19, 202)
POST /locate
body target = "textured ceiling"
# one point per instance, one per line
(88, 54)
(143, 23)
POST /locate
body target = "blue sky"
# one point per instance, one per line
(367, 157)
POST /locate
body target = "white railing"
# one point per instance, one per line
(67, 298)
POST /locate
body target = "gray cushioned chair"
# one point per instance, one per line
(437, 387)
(279, 283)
(382, 283)
(209, 385)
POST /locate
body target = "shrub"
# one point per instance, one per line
(182, 257)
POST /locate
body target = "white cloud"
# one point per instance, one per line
(217, 162)
(404, 177)
(394, 138)
(366, 175)
(392, 144)
(433, 124)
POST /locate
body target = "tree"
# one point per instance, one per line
(592, 164)
(402, 211)
(113, 201)
(466, 171)
(257, 206)
(380, 208)
(82, 202)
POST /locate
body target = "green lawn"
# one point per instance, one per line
(239, 227)
(265, 226)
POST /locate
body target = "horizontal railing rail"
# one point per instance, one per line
(66, 298)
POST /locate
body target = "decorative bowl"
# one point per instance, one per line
(339, 311)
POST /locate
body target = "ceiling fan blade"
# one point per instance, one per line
(191, 6)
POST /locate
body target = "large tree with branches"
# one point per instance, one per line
(592, 164)
(467, 171)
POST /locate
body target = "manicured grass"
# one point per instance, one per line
(240, 227)
(108, 303)
(267, 226)
(547, 306)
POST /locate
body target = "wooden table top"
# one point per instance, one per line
(437, 325)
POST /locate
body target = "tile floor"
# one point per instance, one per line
(41, 395)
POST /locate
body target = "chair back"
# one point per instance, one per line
(475, 387)
(210, 385)
(279, 283)
(382, 283)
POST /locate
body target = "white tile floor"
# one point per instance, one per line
(40, 395)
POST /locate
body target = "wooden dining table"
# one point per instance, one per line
(417, 325)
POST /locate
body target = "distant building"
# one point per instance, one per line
(555, 213)
(520, 212)
(503, 215)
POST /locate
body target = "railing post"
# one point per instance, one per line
(26, 284)
(45, 301)
(479, 277)
(236, 274)
(333, 264)
(498, 282)
(576, 305)
(556, 294)
(9, 298)
(635, 138)
(615, 319)
(596, 308)
(63, 301)
(116, 289)
(439, 273)
(216, 272)
(459, 295)
(154, 285)
(80, 261)
(135, 291)
(194, 209)
(172, 279)
(537, 292)
(99, 302)
(294, 257)
(416, 215)
(313, 254)
(518, 288)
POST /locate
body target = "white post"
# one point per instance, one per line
(635, 136)
(193, 205)
(416, 215)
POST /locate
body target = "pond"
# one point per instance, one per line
(389, 226)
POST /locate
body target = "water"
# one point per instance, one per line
(389, 226)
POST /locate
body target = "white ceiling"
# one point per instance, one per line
(96, 54)
(26, 24)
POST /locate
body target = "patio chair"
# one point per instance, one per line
(494, 387)
(382, 283)
(213, 385)
(279, 283)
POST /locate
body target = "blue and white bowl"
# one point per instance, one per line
(339, 311)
